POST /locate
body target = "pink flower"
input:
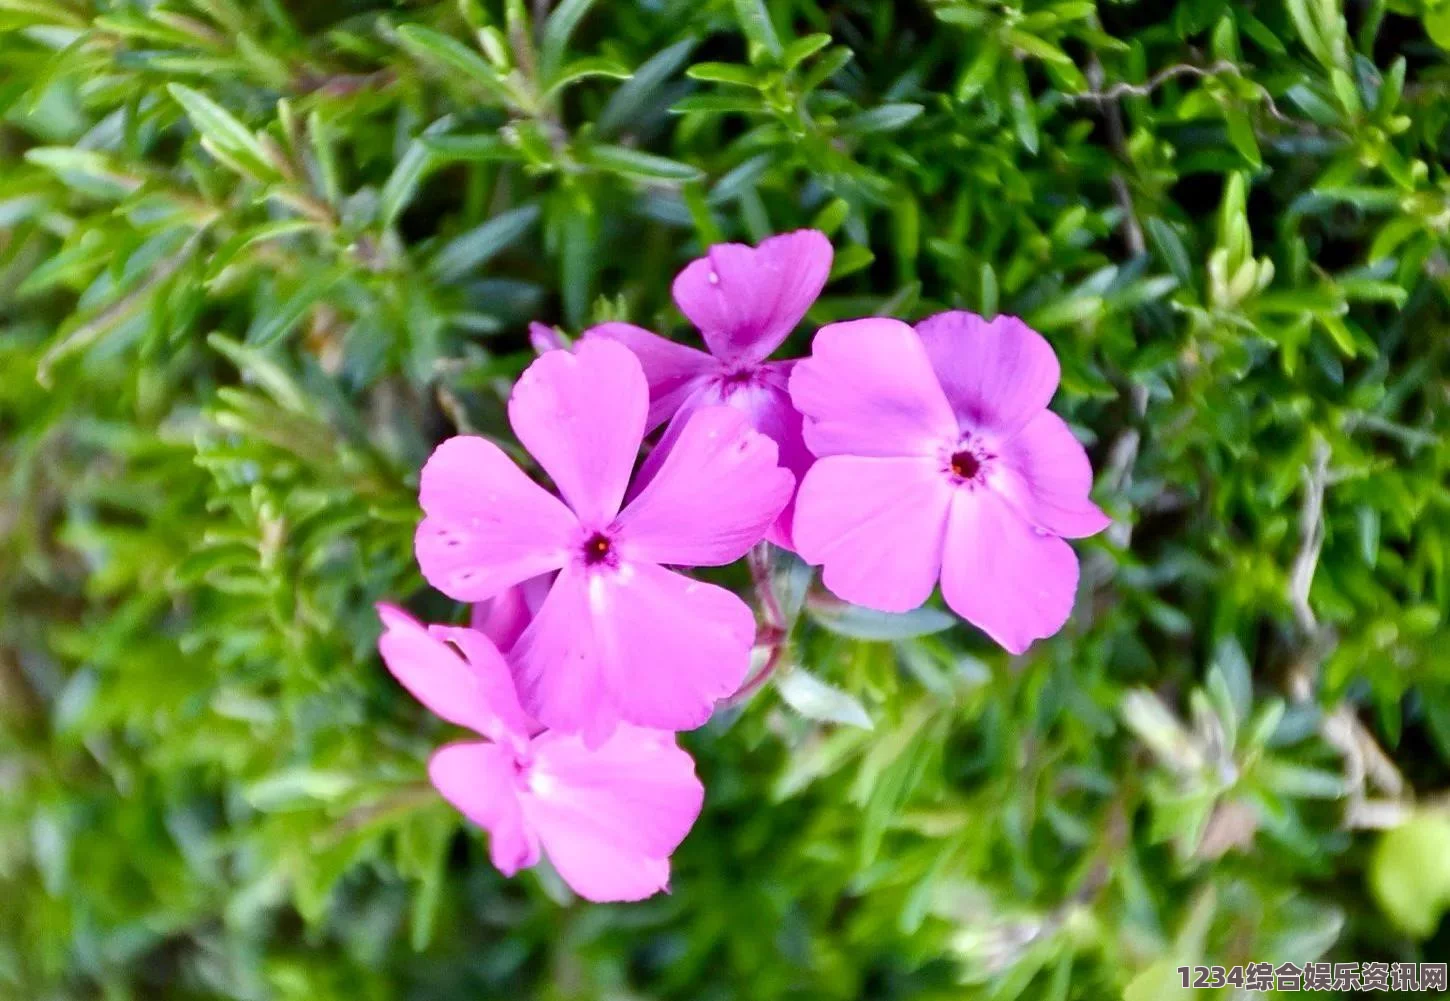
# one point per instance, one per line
(609, 818)
(618, 637)
(745, 302)
(937, 457)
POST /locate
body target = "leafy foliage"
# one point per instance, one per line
(255, 259)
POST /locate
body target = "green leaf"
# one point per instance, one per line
(263, 369)
(1437, 25)
(1241, 134)
(1169, 246)
(415, 163)
(829, 219)
(1302, 782)
(1156, 982)
(816, 700)
(868, 624)
(755, 23)
(643, 166)
(629, 103)
(728, 73)
(297, 788)
(470, 149)
(886, 118)
(471, 250)
(850, 259)
(1410, 873)
(802, 49)
(825, 68)
(1304, 24)
(451, 55)
(86, 171)
(324, 149)
(987, 290)
(558, 29)
(1066, 312)
(1038, 48)
(1346, 91)
(1024, 110)
(580, 69)
(979, 72)
(217, 125)
(278, 319)
(967, 17)
(717, 103)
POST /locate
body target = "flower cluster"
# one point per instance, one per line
(893, 457)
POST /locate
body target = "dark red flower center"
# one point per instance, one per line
(597, 549)
(965, 464)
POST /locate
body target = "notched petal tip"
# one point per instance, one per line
(581, 415)
(746, 300)
(998, 373)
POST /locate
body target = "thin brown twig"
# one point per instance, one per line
(1124, 89)
(1145, 89)
(1365, 762)
(1311, 538)
(1117, 138)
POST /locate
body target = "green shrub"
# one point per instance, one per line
(257, 258)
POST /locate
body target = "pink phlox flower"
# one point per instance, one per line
(618, 637)
(938, 458)
(745, 301)
(608, 818)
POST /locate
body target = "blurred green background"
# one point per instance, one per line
(256, 258)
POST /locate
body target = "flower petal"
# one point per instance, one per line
(503, 618)
(479, 780)
(637, 643)
(877, 525)
(557, 663)
(600, 870)
(746, 300)
(868, 389)
(1014, 582)
(473, 689)
(998, 374)
(1047, 477)
(544, 338)
(610, 817)
(638, 788)
(581, 416)
(716, 492)
(672, 370)
(488, 526)
(765, 400)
